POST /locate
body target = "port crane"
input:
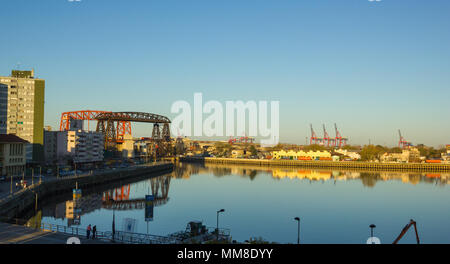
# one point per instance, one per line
(342, 140)
(314, 137)
(402, 143)
(326, 137)
(405, 229)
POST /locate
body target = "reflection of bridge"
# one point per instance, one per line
(119, 198)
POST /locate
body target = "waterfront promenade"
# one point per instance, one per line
(376, 166)
(18, 234)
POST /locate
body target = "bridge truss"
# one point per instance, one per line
(115, 125)
(107, 125)
(121, 129)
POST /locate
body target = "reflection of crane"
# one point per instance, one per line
(405, 229)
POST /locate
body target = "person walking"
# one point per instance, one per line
(94, 232)
(88, 231)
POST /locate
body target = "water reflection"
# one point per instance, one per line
(119, 198)
(368, 178)
(195, 191)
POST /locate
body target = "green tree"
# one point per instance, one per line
(395, 150)
(371, 152)
(314, 147)
(253, 150)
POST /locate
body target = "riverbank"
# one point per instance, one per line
(411, 167)
(26, 199)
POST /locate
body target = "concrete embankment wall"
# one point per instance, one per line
(413, 167)
(26, 199)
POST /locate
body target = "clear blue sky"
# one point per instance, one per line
(371, 67)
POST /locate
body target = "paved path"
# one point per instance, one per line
(16, 234)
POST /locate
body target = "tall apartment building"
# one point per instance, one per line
(74, 145)
(22, 110)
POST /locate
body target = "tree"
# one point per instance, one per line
(395, 150)
(253, 150)
(222, 149)
(371, 152)
(314, 147)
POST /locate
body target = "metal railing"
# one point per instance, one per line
(118, 236)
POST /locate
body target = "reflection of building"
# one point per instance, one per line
(73, 213)
(12, 155)
(403, 177)
(368, 178)
(312, 175)
(23, 113)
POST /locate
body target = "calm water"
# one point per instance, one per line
(334, 206)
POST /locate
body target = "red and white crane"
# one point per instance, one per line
(317, 140)
(339, 140)
(326, 137)
(403, 143)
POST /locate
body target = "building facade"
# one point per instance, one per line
(22, 110)
(301, 155)
(351, 154)
(50, 146)
(408, 155)
(77, 146)
(446, 155)
(12, 155)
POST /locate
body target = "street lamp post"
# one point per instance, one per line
(40, 174)
(298, 229)
(11, 184)
(372, 226)
(220, 211)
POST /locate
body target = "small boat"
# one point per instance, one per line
(197, 233)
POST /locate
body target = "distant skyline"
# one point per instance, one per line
(371, 67)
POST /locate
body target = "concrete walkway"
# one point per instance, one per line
(16, 234)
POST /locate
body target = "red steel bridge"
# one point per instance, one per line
(115, 125)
